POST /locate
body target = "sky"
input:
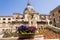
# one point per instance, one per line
(8, 7)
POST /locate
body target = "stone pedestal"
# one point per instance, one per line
(26, 36)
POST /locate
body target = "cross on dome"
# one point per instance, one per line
(28, 3)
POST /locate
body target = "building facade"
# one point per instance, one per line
(55, 14)
(28, 17)
(31, 17)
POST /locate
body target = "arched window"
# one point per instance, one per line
(4, 19)
(9, 18)
(54, 20)
(53, 14)
(8, 22)
(58, 11)
(50, 22)
(3, 22)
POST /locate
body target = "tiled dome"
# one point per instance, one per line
(29, 9)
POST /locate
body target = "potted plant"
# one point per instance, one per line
(26, 32)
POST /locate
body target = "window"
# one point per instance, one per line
(8, 22)
(50, 22)
(22, 18)
(17, 17)
(53, 14)
(59, 17)
(4, 19)
(32, 16)
(54, 20)
(9, 18)
(59, 11)
(3, 22)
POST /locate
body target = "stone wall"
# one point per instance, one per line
(14, 39)
(37, 37)
(24, 39)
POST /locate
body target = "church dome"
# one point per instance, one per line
(29, 9)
